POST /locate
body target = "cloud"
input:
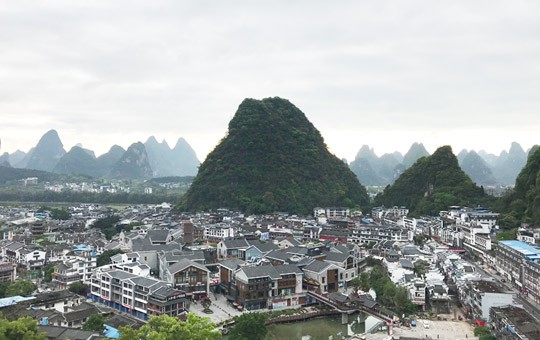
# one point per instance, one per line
(111, 72)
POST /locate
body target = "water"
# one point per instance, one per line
(316, 329)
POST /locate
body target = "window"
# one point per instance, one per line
(323, 280)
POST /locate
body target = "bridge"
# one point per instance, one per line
(367, 306)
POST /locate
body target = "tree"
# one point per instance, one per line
(20, 329)
(94, 323)
(250, 326)
(47, 273)
(165, 327)
(361, 282)
(105, 257)
(20, 287)
(483, 333)
(78, 287)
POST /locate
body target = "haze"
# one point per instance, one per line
(383, 73)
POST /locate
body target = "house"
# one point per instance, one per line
(7, 272)
(232, 248)
(327, 277)
(189, 276)
(253, 286)
(138, 296)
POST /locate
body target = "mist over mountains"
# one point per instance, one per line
(157, 159)
(482, 167)
(139, 161)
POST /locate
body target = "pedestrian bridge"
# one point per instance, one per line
(354, 305)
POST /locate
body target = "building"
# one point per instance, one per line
(519, 263)
(7, 272)
(477, 297)
(138, 296)
(189, 276)
(513, 323)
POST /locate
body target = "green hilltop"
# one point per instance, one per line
(272, 159)
(432, 184)
(522, 204)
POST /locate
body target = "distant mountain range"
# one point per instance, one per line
(483, 168)
(139, 161)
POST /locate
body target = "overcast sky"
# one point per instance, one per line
(382, 73)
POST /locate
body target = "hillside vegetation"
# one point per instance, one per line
(432, 184)
(272, 159)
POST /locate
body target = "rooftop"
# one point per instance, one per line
(524, 248)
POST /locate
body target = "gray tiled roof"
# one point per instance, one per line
(260, 271)
(232, 264)
(287, 269)
(263, 247)
(317, 266)
(336, 257)
(235, 244)
(185, 263)
(159, 235)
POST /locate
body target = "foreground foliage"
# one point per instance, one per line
(19, 287)
(249, 326)
(21, 329)
(164, 327)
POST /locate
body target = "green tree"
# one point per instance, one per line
(164, 327)
(60, 214)
(20, 287)
(47, 273)
(479, 331)
(94, 323)
(507, 235)
(250, 326)
(105, 257)
(361, 282)
(21, 329)
(78, 287)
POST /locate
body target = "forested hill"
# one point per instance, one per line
(272, 159)
(432, 184)
(522, 204)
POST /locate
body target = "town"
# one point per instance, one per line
(134, 262)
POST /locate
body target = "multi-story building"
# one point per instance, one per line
(477, 297)
(519, 262)
(377, 233)
(218, 232)
(513, 323)
(75, 266)
(258, 287)
(529, 235)
(139, 296)
(7, 272)
(191, 277)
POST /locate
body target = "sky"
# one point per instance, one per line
(381, 73)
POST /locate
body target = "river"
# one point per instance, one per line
(317, 329)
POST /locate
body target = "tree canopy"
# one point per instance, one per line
(249, 326)
(20, 329)
(94, 323)
(522, 204)
(164, 327)
(272, 159)
(433, 184)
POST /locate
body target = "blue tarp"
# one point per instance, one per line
(111, 332)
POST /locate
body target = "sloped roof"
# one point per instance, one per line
(288, 269)
(336, 257)
(236, 243)
(232, 264)
(185, 263)
(317, 266)
(260, 271)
